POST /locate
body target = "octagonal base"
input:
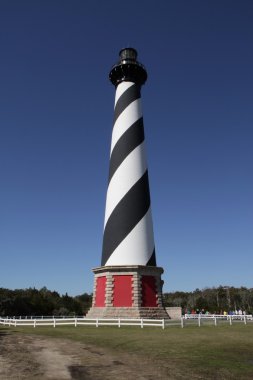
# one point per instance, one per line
(127, 292)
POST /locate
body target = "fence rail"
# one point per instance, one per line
(81, 321)
(202, 318)
(188, 319)
(218, 316)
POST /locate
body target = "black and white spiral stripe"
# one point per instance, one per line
(128, 229)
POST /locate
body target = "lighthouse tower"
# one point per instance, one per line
(128, 282)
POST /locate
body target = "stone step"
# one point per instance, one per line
(121, 312)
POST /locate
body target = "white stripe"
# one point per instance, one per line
(130, 115)
(122, 87)
(137, 247)
(127, 174)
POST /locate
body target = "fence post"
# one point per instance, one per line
(245, 320)
(34, 323)
(199, 320)
(230, 320)
(142, 323)
(54, 321)
(163, 323)
(119, 322)
(15, 323)
(75, 322)
(182, 322)
(96, 322)
(215, 321)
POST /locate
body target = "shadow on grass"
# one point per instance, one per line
(3, 332)
(79, 372)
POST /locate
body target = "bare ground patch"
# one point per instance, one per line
(32, 357)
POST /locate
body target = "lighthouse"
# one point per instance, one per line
(128, 282)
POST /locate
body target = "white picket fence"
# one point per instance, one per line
(54, 322)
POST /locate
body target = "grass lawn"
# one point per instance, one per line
(208, 352)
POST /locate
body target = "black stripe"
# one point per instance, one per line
(131, 94)
(152, 261)
(128, 212)
(133, 137)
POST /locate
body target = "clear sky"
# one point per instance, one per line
(56, 112)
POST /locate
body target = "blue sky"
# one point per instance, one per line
(56, 112)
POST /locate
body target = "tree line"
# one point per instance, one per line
(38, 302)
(214, 300)
(34, 302)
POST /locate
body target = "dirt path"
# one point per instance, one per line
(33, 357)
